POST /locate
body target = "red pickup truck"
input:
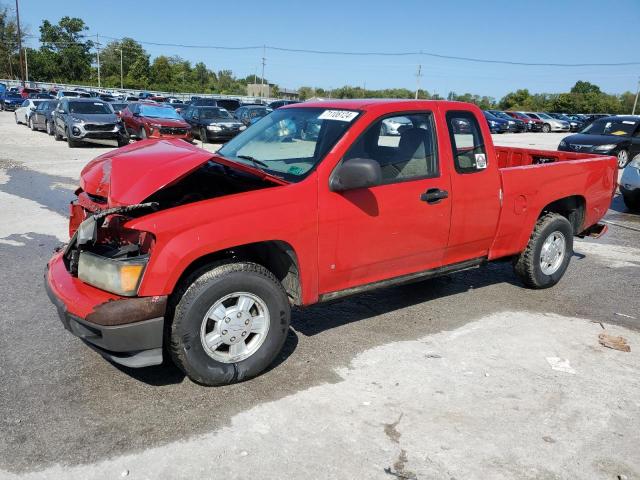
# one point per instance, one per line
(201, 256)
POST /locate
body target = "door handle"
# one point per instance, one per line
(434, 195)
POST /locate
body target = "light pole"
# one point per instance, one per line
(19, 43)
(26, 64)
(635, 103)
(121, 70)
(98, 57)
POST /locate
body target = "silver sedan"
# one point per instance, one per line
(630, 184)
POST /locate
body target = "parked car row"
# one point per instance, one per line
(80, 118)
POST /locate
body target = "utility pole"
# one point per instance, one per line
(264, 61)
(26, 64)
(98, 56)
(418, 75)
(20, 43)
(121, 70)
(635, 103)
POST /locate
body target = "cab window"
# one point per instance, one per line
(404, 146)
(469, 153)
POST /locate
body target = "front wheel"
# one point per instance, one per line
(57, 135)
(15, 115)
(49, 128)
(547, 256)
(623, 158)
(632, 201)
(32, 126)
(203, 135)
(546, 128)
(229, 323)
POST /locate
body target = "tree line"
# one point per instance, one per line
(67, 55)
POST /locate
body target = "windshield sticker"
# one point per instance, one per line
(619, 132)
(340, 115)
(481, 160)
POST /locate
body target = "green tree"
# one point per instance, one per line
(65, 46)
(585, 87)
(9, 54)
(132, 52)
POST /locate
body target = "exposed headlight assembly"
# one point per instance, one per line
(605, 148)
(119, 276)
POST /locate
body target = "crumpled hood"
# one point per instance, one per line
(130, 174)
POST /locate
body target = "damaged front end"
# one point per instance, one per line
(104, 253)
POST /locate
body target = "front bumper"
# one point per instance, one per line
(534, 127)
(11, 107)
(83, 131)
(128, 331)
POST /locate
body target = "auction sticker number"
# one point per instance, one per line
(340, 115)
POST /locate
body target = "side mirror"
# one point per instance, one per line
(355, 173)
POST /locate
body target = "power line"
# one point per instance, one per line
(382, 54)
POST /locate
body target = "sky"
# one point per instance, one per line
(540, 31)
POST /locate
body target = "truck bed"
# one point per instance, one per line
(533, 179)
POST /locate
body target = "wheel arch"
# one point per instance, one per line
(277, 256)
(573, 208)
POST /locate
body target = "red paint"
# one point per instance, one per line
(135, 124)
(342, 240)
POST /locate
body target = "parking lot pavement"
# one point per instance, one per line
(444, 378)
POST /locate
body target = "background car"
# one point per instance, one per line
(496, 125)
(229, 104)
(213, 124)
(533, 124)
(251, 114)
(24, 111)
(25, 92)
(574, 124)
(281, 103)
(146, 119)
(41, 117)
(82, 119)
(515, 124)
(118, 107)
(630, 184)
(550, 124)
(71, 93)
(618, 136)
(11, 101)
(41, 96)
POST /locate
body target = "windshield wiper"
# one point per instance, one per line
(255, 161)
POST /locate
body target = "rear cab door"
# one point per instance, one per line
(398, 227)
(475, 184)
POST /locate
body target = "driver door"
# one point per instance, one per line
(393, 229)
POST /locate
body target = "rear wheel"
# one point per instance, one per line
(203, 135)
(48, 127)
(547, 256)
(229, 323)
(623, 158)
(57, 135)
(32, 125)
(546, 128)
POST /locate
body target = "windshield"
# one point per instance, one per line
(289, 143)
(257, 112)
(207, 113)
(545, 116)
(618, 128)
(89, 107)
(229, 104)
(153, 111)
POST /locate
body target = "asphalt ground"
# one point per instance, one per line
(446, 378)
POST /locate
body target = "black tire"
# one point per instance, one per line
(527, 264)
(32, 125)
(198, 294)
(122, 141)
(56, 133)
(623, 158)
(71, 142)
(546, 128)
(203, 135)
(631, 202)
(15, 115)
(48, 127)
